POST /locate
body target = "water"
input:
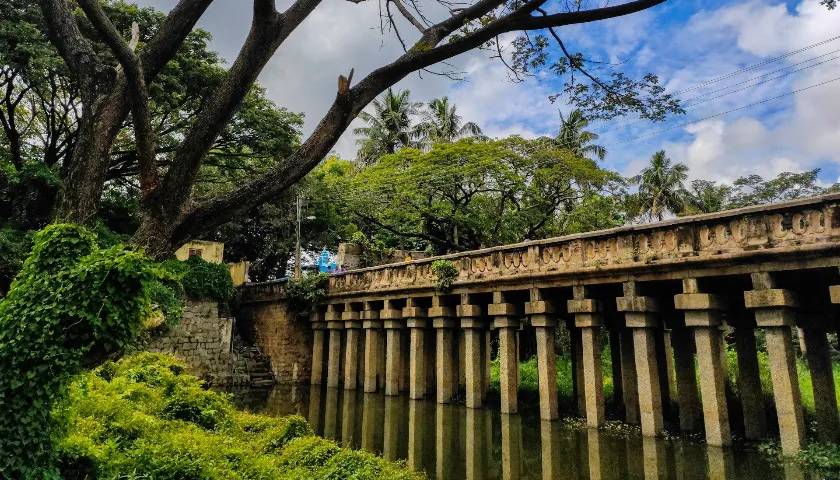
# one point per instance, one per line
(454, 442)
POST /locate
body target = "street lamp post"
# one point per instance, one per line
(297, 243)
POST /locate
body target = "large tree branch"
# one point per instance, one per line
(76, 51)
(348, 104)
(138, 93)
(268, 31)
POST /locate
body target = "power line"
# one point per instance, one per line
(755, 66)
(743, 107)
(730, 92)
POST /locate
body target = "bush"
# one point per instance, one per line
(446, 273)
(203, 280)
(72, 305)
(304, 293)
(142, 417)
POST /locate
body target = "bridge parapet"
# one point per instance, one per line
(799, 228)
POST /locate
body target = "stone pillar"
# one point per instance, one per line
(629, 389)
(615, 362)
(506, 321)
(749, 383)
(446, 365)
(318, 339)
(373, 347)
(578, 391)
(393, 420)
(416, 321)
(774, 313)
(822, 381)
(416, 434)
(703, 315)
(511, 445)
(470, 316)
(475, 448)
(640, 316)
(686, 377)
(542, 318)
(589, 319)
(352, 327)
(335, 326)
(393, 347)
(371, 421)
(462, 371)
(331, 414)
(348, 420)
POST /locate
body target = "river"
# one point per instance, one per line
(454, 442)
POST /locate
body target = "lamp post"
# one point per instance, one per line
(297, 243)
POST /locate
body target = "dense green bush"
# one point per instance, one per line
(142, 417)
(72, 305)
(203, 280)
(14, 247)
(303, 293)
(446, 273)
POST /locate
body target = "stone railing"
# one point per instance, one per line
(798, 228)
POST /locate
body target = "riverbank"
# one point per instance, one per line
(143, 417)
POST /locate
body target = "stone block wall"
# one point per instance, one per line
(282, 336)
(203, 340)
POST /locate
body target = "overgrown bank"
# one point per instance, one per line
(143, 417)
(76, 305)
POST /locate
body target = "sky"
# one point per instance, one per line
(760, 60)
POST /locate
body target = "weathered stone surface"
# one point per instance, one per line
(774, 297)
(203, 340)
(698, 301)
(835, 293)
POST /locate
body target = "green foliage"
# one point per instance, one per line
(143, 417)
(446, 273)
(373, 252)
(304, 293)
(822, 459)
(73, 304)
(14, 247)
(472, 194)
(202, 279)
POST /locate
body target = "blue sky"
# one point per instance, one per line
(685, 42)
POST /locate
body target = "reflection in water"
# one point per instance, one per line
(454, 442)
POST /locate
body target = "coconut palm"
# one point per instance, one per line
(441, 123)
(388, 126)
(574, 136)
(661, 187)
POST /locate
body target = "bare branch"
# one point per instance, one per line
(138, 93)
(408, 16)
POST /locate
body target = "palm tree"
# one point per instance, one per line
(441, 123)
(661, 187)
(389, 126)
(574, 136)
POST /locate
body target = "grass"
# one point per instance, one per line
(529, 376)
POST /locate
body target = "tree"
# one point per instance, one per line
(574, 136)
(661, 187)
(170, 215)
(705, 196)
(35, 76)
(389, 126)
(754, 190)
(471, 194)
(441, 123)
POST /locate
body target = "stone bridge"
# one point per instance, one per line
(665, 296)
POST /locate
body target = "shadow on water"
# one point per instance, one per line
(454, 442)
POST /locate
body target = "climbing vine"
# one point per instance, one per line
(446, 273)
(73, 305)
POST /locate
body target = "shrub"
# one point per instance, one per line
(121, 425)
(304, 293)
(446, 273)
(203, 280)
(73, 304)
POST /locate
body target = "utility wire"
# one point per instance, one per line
(720, 114)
